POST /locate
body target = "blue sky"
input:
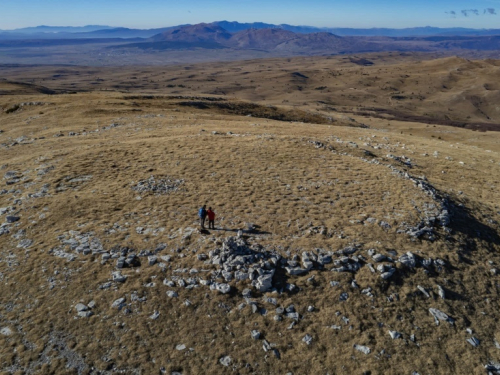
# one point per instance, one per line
(322, 13)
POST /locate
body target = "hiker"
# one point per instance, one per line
(202, 213)
(211, 218)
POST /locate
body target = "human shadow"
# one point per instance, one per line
(463, 221)
(246, 232)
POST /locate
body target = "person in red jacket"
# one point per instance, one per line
(211, 218)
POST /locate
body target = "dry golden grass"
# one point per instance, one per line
(264, 172)
(449, 90)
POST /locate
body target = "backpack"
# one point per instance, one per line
(202, 212)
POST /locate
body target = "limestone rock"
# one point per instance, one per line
(85, 314)
(394, 335)
(6, 331)
(408, 260)
(344, 296)
(473, 341)
(439, 315)
(221, 287)
(441, 292)
(362, 349)
(265, 282)
(81, 307)
(294, 271)
(493, 366)
(225, 361)
(118, 277)
(306, 261)
(166, 258)
(424, 292)
(379, 258)
(119, 303)
(307, 339)
(120, 263)
(24, 244)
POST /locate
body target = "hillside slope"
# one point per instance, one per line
(344, 243)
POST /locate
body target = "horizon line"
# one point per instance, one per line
(281, 24)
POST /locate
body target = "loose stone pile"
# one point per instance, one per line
(74, 243)
(12, 177)
(266, 270)
(85, 311)
(159, 186)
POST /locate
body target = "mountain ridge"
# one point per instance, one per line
(103, 31)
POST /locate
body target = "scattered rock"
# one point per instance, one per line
(6, 331)
(158, 186)
(85, 314)
(119, 303)
(408, 260)
(473, 341)
(225, 361)
(81, 307)
(221, 287)
(24, 244)
(424, 292)
(441, 292)
(493, 366)
(265, 282)
(118, 277)
(395, 335)
(152, 260)
(307, 339)
(439, 315)
(362, 349)
(379, 258)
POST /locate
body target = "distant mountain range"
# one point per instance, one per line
(275, 40)
(58, 29)
(98, 31)
(254, 38)
(286, 42)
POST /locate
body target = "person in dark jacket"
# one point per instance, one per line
(211, 218)
(202, 213)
